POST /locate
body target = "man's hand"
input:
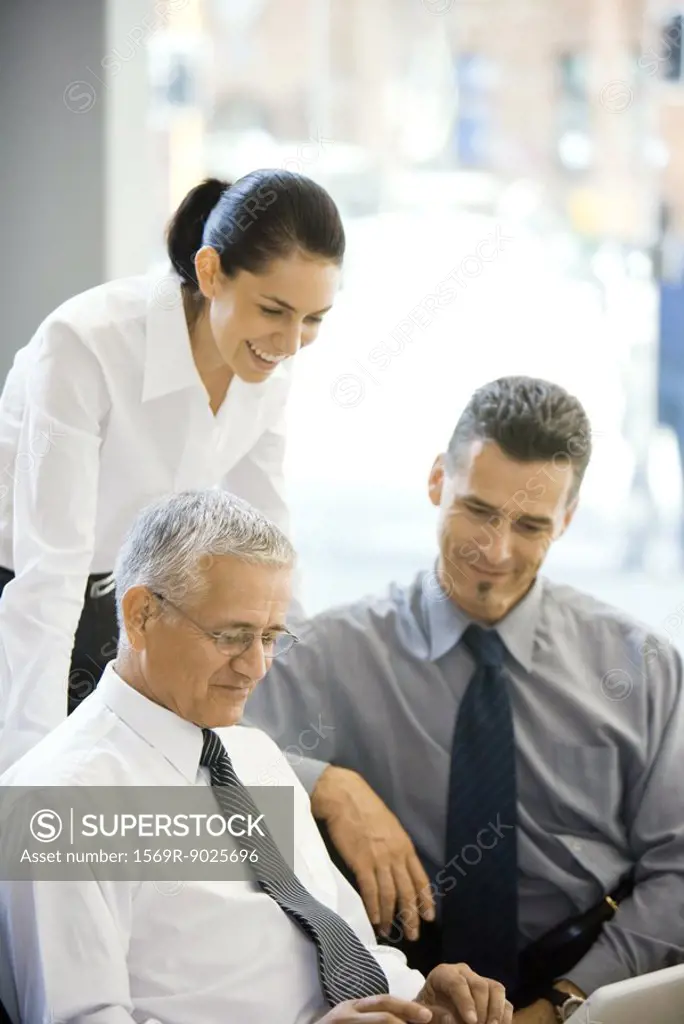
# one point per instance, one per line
(377, 1010)
(456, 994)
(371, 840)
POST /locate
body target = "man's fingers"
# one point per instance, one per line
(508, 1013)
(406, 899)
(479, 988)
(421, 882)
(388, 896)
(496, 1011)
(399, 1009)
(368, 889)
(457, 989)
(440, 1016)
(378, 1018)
(489, 998)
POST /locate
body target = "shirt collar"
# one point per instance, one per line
(519, 628)
(445, 622)
(179, 741)
(169, 365)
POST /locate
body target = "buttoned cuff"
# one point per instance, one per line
(599, 967)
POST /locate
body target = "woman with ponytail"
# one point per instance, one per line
(143, 386)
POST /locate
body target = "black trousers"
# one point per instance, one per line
(96, 639)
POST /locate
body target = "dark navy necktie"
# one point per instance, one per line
(480, 911)
(345, 967)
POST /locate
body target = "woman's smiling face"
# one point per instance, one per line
(258, 320)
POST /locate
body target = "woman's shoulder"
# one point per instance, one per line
(110, 305)
(92, 320)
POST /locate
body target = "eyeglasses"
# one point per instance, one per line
(232, 645)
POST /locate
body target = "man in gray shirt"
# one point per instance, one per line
(569, 744)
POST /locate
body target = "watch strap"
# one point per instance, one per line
(558, 999)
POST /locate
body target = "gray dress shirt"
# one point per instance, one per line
(598, 709)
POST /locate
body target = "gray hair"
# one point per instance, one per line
(173, 540)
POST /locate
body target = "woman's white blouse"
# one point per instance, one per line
(102, 412)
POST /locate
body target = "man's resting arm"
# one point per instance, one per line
(647, 932)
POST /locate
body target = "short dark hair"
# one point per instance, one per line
(265, 215)
(531, 420)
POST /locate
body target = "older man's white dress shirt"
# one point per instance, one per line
(208, 952)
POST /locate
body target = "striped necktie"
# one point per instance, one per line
(345, 967)
(480, 911)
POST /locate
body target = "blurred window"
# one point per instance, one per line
(499, 193)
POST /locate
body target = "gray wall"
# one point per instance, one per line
(52, 160)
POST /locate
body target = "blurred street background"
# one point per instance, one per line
(511, 174)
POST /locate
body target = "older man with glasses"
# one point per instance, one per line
(203, 583)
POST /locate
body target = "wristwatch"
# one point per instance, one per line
(564, 1003)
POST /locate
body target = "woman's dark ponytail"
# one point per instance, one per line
(184, 234)
(264, 216)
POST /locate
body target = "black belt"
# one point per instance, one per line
(100, 584)
(555, 954)
(96, 639)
